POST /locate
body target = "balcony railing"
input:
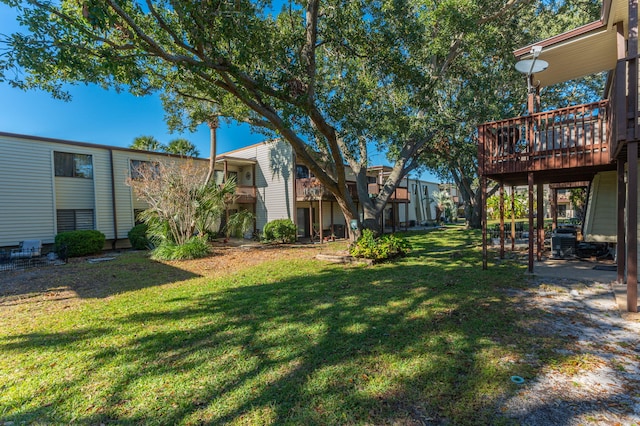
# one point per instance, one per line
(245, 194)
(560, 139)
(401, 194)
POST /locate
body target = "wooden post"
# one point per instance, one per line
(320, 220)
(311, 220)
(483, 206)
(632, 159)
(621, 237)
(501, 220)
(540, 224)
(632, 226)
(513, 218)
(531, 232)
(554, 209)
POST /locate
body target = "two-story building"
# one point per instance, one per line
(73, 185)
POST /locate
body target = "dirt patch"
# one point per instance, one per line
(79, 279)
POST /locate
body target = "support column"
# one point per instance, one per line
(483, 214)
(531, 229)
(554, 209)
(320, 220)
(501, 220)
(311, 220)
(540, 222)
(394, 216)
(513, 218)
(333, 231)
(632, 226)
(621, 259)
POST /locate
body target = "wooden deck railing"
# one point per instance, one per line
(400, 194)
(560, 139)
(245, 194)
(310, 189)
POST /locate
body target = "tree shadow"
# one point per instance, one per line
(78, 278)
(402, 343)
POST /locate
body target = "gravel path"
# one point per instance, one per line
(604, 386)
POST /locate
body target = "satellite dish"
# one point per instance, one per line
(530, 66)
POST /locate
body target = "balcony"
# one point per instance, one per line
(245, 194)
(310, 189)
(400, 195)
(555, 144)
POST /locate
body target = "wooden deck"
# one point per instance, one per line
(560, 145)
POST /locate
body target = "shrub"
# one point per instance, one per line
(138, 237)
(239, 223)
(194, 248)
(80, 243)
(379, 249)
(281, 230)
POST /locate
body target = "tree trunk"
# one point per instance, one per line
(213, 127)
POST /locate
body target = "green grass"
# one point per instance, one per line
(294, 341)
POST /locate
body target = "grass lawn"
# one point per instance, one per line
(428, 338)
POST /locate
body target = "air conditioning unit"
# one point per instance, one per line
(563, 245)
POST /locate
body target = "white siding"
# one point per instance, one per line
(275, 180)
(30, 194)
(421, 208)
(26, 192)
(601, 217)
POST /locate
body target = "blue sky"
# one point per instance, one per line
(99, 116)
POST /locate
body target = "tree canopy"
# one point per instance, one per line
(334, 78)
(483, 90)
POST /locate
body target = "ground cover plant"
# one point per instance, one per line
(276, 338)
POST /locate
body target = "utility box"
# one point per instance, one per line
(563, 245)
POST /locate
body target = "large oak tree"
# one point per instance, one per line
(334, 78)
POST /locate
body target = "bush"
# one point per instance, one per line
(80, 243)
(281, 230)
(194, 248)
(379, 249)
(138, 237)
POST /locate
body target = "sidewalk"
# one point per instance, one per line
(582, 270)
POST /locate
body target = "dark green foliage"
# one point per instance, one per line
(379, 249)
(280, 230)
(138, 237)
(194, 248)
(80, 243)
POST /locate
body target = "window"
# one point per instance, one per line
(232, 176)
(74, 220)
(302, 172)
(73, 165)
(139, 167)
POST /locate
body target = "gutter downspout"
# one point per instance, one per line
(113, 202)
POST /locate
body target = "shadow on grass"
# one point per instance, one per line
(85, 280)
(407, 343)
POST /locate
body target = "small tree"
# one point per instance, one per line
(443, 203)
(578, 198)
(181, 205)
(239, 223)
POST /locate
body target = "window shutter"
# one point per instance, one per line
(66, 220)
(84, 219)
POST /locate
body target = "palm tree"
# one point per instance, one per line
(147, 143)
(443, 201)
(181, 146)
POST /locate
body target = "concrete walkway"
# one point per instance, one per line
(582, 270)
